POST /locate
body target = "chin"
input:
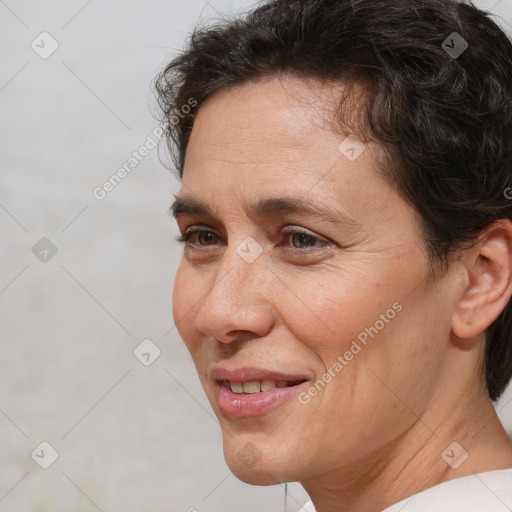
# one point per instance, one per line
(257, 462)
(254, 476)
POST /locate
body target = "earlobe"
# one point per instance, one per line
(488, 281)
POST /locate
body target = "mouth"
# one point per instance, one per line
(250, 392)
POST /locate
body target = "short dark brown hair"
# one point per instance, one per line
(445, 116)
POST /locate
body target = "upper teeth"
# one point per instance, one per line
(256, 386)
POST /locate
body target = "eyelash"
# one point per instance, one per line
(185, 238)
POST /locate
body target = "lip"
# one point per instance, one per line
(238, 406)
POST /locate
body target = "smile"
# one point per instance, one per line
(253, 392)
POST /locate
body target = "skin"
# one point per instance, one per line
(375, 434)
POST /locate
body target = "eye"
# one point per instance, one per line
(301, 239)
(198, 237)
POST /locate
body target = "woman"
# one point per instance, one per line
(345, 284)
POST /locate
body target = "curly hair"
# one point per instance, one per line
(444, 117)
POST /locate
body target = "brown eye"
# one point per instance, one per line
(198, 237)
(303, 240)
(205, 237)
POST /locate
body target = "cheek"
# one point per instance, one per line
(395, 368)
(379, 329)
(331, 309)
(185, 296)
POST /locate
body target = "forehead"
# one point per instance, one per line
(273, 129)
(290, 106)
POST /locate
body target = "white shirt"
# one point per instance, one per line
(481, 492)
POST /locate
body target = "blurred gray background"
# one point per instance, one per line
(83, 281)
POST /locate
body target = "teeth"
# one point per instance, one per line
(236, 387)
(251, 387)
(256, 386)
(267, 385)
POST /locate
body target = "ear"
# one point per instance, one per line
(488, 274)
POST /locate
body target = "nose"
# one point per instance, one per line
(236, 305)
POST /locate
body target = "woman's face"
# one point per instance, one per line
(303, 293)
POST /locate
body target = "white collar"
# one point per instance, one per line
(490, 491)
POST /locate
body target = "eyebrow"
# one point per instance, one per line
(276, 206)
